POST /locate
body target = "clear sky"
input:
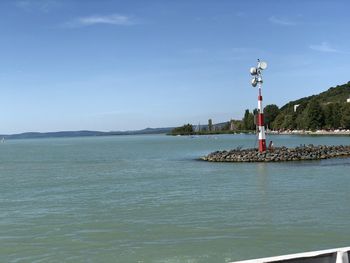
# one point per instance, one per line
(122, 65)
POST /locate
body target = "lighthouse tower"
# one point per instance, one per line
(257, 80)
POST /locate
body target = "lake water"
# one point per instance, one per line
(147, 199)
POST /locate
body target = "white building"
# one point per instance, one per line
(296, 106)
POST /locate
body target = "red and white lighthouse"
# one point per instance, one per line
(257, 81)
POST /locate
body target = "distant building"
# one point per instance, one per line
(210, 125)
(296, 106)
(232, 125)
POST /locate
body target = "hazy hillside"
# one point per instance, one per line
(32, 135)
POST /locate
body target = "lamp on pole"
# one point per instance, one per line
(257, 80)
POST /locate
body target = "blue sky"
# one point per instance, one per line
(122, 65)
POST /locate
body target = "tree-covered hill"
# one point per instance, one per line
(338, 94)
(327, 110)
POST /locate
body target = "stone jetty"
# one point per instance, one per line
(279, 154)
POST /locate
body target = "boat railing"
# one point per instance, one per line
(336, 255)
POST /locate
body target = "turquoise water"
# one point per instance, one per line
(147, 199)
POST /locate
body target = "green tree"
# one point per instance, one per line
(248, 121)
(314, 115)
(337, 114)
(240, 125)
(345, 116)
(328, 115)
(270, 113)
(277, 123)
(186, 129)
(332, 115)
(288, 122)
(255, 118)
(251, 122)
(300, 120)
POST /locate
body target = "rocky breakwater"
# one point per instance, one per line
(279, 154)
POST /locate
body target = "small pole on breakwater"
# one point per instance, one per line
(257, 80)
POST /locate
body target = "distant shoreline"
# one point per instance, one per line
(165, 131)
(270, 132)
(303, 132)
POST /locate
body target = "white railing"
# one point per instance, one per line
(336, 255)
